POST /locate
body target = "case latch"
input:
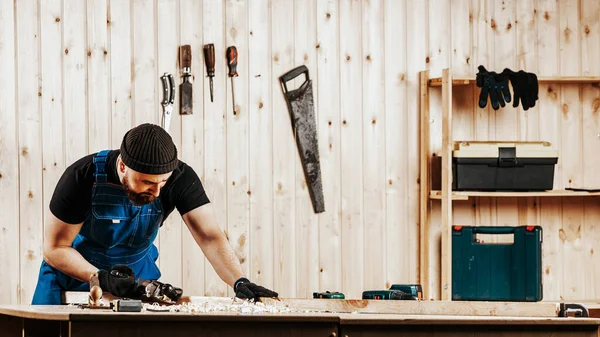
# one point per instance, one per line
(507, 157)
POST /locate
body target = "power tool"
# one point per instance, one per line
(331, 295)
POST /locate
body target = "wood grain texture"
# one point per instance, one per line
(260, 109)
(215, 145)
(285, 151)
(352, 184)
(307, 222)
(9, 165)
(192, 139)
(329, 129)
(29, 93)
(170, 255)
(79, 74)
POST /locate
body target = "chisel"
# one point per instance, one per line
(209, 59)
(186, 89)
(232, 60)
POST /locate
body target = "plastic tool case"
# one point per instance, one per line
(503, 166)
(502, 271)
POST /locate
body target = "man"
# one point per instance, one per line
(105, 214)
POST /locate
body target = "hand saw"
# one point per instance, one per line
(301, 107)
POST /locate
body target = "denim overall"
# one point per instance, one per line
(115, 231)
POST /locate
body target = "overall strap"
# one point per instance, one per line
(100, 160)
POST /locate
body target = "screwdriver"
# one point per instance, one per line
(232, 60)
(209, 59)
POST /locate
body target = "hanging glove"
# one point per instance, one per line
(119, 280)
(525, 88)
(245, 289)
(493, 85)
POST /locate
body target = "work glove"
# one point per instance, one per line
(245, 289)
(493, 85)
(156, 289)
(525, 87)
(119, 280)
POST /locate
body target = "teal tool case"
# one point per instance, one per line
(497, 271)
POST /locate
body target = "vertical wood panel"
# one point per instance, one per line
(374, 152)
(284, 150)
(145, 76)
(590, 52)
(483, 54)
(29, 91)
(260, 110)
(552, 263)
(551, 208)
(328, 107)
(120, 37)
(167, 41)
(416, 61)
(192, 136)
(571, 149)
(53, 163)
(98, 79)
(399, 240)
(9, 165)
(74, 82)
(236, 27)
(351, 104)
(215, 147)
(307, 230)
(463, 103)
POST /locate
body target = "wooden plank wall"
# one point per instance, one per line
(78, 74)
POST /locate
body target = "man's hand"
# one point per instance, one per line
(119, 281)
(245, 289)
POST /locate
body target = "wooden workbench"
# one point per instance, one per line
(71, 321)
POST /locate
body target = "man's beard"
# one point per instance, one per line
(137, 199)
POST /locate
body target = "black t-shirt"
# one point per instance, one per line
(72, 196)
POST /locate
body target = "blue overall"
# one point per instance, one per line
(115, 231)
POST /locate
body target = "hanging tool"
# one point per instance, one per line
(209, 59)
(186, 90)
(232, 61)
(168, 99)
(301, 107)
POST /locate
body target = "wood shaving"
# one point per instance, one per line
(237, 306)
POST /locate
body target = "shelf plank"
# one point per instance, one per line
(464, 195)
(465, 80)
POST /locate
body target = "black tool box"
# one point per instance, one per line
(503, 166)
(496, 271)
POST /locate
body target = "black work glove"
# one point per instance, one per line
(119, 280)
(156, 289)
(245, 289)
(493, 85)
(525, 87)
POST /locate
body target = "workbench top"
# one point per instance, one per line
(74, 313)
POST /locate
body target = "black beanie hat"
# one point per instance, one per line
(149, 149)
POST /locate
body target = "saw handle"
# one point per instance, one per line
(290, 75)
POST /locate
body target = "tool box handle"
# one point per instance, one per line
(494, 230)
(290, 75)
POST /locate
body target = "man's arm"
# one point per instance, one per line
(203, 225)
(58, 252)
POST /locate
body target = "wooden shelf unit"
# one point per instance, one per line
(446, 195)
